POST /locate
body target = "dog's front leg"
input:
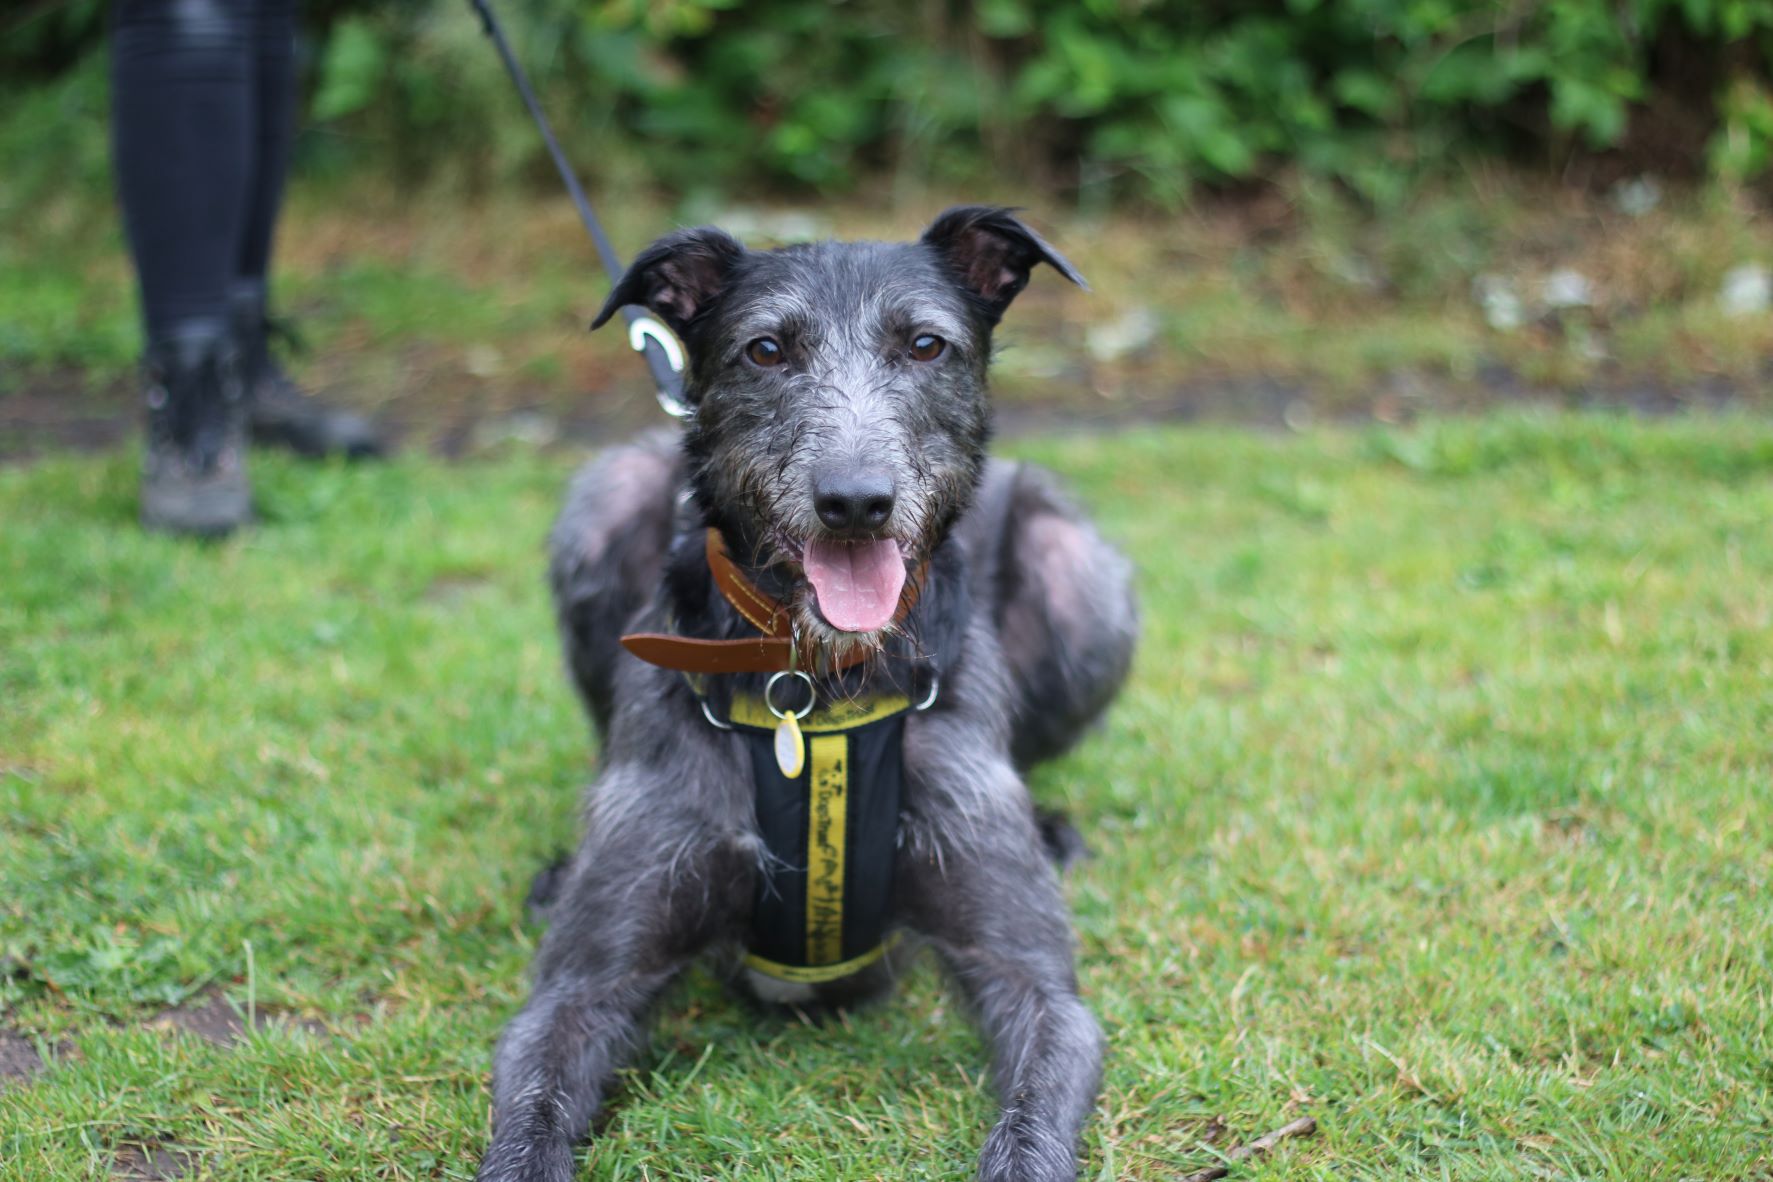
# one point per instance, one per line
(652, 884)
(978, 883)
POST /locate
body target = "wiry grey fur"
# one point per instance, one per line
(1026, 621)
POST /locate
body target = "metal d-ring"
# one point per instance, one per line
(643, 329)
(935, 687)
(709, 715)
(769, 687)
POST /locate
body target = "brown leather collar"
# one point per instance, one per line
(772, 652)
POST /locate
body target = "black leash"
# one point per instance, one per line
(652, 340)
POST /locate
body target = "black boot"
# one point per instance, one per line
(281, 414)
(194, 467)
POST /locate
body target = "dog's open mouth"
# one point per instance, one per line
(856, 584)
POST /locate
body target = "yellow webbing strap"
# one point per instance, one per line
(827, 818)
(750, 711)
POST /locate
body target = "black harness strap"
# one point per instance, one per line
(824, 902)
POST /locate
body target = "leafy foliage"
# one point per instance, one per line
(1148, 97)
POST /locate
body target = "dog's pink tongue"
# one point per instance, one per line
(857, 583)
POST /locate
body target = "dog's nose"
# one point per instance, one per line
(853, 500)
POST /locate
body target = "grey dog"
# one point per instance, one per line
(838, 396)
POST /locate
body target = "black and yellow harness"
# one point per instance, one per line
(824, 898)
(828, 779)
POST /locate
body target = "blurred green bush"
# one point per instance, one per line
(1142, 98)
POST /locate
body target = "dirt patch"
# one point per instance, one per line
(438, 409)
(213, 1018)
(63, 409)
(152, 1162)
(19, 1060)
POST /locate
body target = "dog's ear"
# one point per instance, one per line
(991, 252)
(677, 276)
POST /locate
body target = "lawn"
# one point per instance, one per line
(1439, 809)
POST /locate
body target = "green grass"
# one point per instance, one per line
(1438, 808)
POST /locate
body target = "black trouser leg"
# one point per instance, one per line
(182, 126)
(272, 133)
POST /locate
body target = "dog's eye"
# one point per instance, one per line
(927, 347)
(765, 351)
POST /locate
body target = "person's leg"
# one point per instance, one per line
(281, 414)
(271, 135)
(181, 112)
(181, 116)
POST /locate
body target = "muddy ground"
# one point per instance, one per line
(436, 408)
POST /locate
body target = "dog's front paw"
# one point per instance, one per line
(1024, 1150)
(515, 1159)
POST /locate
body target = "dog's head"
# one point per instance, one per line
(839, 413)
